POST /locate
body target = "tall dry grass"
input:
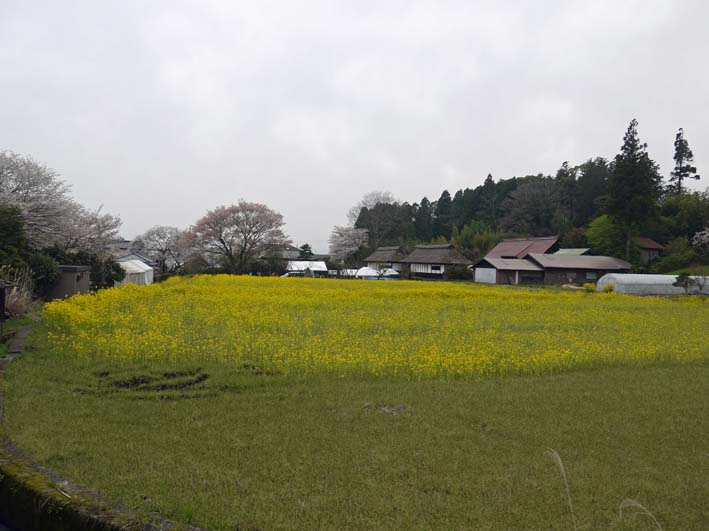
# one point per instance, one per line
(627, 503)
(18, 298)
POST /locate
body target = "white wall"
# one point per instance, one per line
(427, 268)
(487, 275)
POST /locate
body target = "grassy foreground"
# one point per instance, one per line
(281, 404)
(243, 450)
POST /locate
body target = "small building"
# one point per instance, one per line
(137, 256)
(73, 279)
(306, 268)
(563, 269)
(137, 272)
(386, 258)
(433, 261)
(508, 271)
(649, 249)
(572, 251)
(650, 284)
(521, 247)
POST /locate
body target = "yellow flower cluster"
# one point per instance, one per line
(415, 329)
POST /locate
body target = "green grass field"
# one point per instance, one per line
(246, 450)
(257, 404)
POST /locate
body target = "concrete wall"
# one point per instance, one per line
(72, 281)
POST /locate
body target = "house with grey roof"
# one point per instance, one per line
(521, 247)
(386, 258)
(543, 268)
(434, 262)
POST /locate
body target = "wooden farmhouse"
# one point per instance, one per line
(433, 261)
(521, 247)
(386, 258)
(649, 249)
(542, 268)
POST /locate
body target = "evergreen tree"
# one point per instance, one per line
(591, 189)
(457, 210)
(683, 164)
(442, 225)
(306, 252)
(423, 221)
(634, 187)
(489, 204)
(13, 240)
(566, 190)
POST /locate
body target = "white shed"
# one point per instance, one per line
(367, 273)
(648, 284)
(137, 272)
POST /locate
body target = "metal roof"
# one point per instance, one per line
(521, 247)
(647, 243)
(573, 251)
(556, 261)
(132, 267)
(510, 264)
(436, 254)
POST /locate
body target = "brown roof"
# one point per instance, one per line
(386, 254)
(521, 247)
(560, 261)
(647, 243)
(436, 254)
(510, 264)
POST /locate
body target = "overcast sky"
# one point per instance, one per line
(161, 110)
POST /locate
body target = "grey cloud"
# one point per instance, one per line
(162, 110)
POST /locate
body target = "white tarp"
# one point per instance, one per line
(367, 273)
(137, 272)
(390, 273)
(647, 284)
(306, 265)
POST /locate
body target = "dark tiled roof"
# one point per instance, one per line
(647, 243)
(521, 247)
(560, 261)
(386, 254)
(436, 254)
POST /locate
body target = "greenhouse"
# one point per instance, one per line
(650, 284)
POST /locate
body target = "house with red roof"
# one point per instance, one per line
(649, 249)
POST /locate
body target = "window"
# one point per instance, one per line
(435, 267)
(591, 275)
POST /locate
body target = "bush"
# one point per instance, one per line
(45, 273)
(590, 287)
(608, 288)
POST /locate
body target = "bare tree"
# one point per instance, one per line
(369, 201)
(82, 229)
(168, 246)
(236, 234)
(39, 193)
(346, 241)
(51, 216)
(701, 241)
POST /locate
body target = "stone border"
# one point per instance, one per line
(33, 498)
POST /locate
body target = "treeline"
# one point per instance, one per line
(42, 225)
(603, 204)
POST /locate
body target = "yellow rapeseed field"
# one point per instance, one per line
(414, 329)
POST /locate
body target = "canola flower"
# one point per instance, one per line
(414, 329)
